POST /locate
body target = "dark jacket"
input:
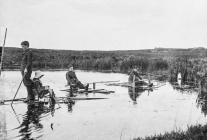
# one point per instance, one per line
(26, 60)
(71, 77)
(27, 64)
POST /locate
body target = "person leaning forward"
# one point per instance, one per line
(26, 69)
(72, 79)
(39, 90)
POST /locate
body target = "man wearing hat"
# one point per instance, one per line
(38, 89)
(26, 69)
(72, 79)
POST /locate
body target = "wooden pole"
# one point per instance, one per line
(94, 85)
(18, 89)
(2, 53)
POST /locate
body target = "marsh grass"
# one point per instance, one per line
(197, 132)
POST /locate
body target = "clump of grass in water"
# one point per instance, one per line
(197, 132)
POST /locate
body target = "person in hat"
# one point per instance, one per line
(134, 75)
(135, 79)
(38, 89)
(72, 79)
(26, 69)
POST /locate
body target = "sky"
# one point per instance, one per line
(104, 24)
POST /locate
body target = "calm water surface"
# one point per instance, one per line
(124, 115)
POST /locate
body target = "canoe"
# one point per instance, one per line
(137, 85)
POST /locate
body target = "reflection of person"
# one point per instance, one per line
(72, 79)
(26, 69)
(202, 96)
(39, 89)
(31, 120)
(134, 93)
(70, 105)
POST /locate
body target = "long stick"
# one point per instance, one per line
(104, 82)
(18, 89)
(3, 50)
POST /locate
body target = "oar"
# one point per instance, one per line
(18, 89)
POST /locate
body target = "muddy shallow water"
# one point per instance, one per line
(124, 115)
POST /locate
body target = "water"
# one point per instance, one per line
(124, 115)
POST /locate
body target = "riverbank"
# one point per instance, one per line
(197, 132)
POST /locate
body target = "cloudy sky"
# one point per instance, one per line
(105, 24)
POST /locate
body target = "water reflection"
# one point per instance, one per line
(134, 93)
(202, 96)
(32, 120)
(70, 105)
(184, 86)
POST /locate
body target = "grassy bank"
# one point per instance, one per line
(197, 132)
(190, 62)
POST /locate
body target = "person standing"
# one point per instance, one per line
(26, 69)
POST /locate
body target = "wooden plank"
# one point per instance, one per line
(2, 102)
(98, 82)
(83, 90)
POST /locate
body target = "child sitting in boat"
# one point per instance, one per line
(39, 90)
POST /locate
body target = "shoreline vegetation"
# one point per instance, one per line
(197, 132)
(166, 63)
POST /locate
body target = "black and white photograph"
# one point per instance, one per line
(103, 70)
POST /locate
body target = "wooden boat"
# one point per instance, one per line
(81, 91)
(58, 100)
(137, 86)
